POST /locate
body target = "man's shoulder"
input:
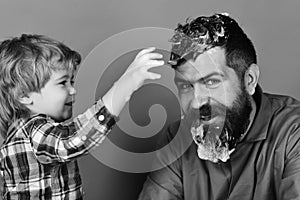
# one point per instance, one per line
(285, 114)
(284, 106)
(282, 101)
(285, 125)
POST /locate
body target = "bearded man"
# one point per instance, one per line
(236, 142)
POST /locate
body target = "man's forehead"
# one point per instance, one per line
(208, 62)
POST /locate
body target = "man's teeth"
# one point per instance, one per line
(197, 131)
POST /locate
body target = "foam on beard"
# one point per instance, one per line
(212, 141)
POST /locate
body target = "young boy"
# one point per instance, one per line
(38, 156)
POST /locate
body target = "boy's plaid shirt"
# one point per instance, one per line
(37, 159)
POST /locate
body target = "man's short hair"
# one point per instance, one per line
(219, 30)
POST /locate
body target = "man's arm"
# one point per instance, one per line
(290, 183)
(164, 184)
(167, 182)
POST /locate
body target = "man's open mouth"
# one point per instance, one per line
(211, 139)
(208, 129)
(207, 118)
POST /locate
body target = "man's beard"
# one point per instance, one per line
(216, 129)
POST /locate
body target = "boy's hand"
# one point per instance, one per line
(137, 72)
(132, 79)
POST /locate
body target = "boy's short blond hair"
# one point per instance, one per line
(26, 64)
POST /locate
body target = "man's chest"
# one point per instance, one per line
(251, 173)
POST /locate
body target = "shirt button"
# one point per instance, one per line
(101, 118)
(83, 138)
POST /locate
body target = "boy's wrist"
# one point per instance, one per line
(104, 116)
(115, 99)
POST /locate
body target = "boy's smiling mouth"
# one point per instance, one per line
(70, 103)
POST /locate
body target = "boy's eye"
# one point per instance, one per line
(62, 82)
(65, 82)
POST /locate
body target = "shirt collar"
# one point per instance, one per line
(259, 128)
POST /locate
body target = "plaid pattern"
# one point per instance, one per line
(37, 159)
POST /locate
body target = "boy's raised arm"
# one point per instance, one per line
(132, 79)
(55, 142)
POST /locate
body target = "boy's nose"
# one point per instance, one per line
(72, 90)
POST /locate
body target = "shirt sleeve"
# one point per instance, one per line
(290, 183)
(56, 142)
(165, 183)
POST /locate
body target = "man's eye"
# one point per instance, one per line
(184, 86)
(72, 82)
(211, 83)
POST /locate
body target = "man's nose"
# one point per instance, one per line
(201, 97)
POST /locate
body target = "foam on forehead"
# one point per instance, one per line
(198, 35)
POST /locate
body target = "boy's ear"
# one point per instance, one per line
(25, 99)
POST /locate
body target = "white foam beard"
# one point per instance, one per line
(210, 146)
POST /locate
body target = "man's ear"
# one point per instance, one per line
(251, 78)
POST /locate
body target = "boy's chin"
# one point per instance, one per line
(68, 116)
(63, 118)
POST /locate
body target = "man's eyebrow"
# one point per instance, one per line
(180, 79)
(210, 75)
